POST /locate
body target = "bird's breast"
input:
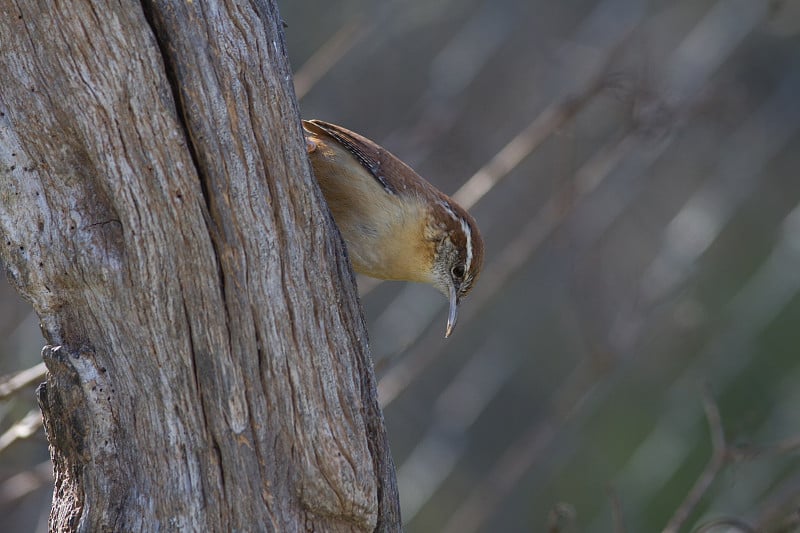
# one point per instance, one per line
(384, 231)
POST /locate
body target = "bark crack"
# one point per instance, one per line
(180, 112)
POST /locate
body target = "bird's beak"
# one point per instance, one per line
(453, 314)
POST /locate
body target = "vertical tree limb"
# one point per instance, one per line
(208, 364)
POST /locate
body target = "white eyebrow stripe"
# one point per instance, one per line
(468, 234)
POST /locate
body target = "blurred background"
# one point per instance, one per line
(629, 359)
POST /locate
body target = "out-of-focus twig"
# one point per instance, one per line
(616, 511)
(22, 379)
(791, 524)
(22, 429)
(20, 485)
(722, 455)
(728, 523)
(332, 51)
(327, 55)
(549, 121)
(748, 453)
(781, 509)
(710, 472)
(486, 496)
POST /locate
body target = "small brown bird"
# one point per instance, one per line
(396, 225)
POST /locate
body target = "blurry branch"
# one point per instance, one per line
(22, 379)
(748, 453)
(791, 524)
(722, 455)
(356, 30)
(11, 322)
(485, 496)
(20, 485)
(329, 54)
(713, 467)
(727, 523)
(455, 410)
(480, 38)
(549, 121)
(782, 508)
(522, 453)
(22, 429)
(616, 511)
(33, 420)
(341, 43)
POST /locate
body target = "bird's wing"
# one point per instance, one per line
(384, 166)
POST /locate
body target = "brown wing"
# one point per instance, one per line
(384, 166)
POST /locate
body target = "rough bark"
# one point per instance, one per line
(208, 362)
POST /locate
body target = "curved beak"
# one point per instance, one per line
(452, 316)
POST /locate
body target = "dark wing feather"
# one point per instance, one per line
(379, 162)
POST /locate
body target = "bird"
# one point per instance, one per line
(395, 224)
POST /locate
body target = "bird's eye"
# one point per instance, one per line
(458, 271)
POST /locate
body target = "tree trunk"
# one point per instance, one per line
(208, 361)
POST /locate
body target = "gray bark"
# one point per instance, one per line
(208, 361)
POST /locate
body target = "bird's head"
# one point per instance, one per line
(458, 254)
